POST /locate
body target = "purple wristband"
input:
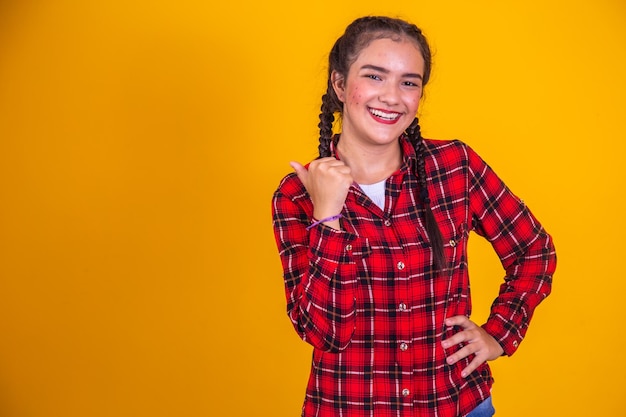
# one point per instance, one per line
(327, 219)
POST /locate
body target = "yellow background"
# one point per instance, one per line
(140, 143)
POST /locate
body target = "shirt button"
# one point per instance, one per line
(400, 265)
(405, 392)
(387, 223)
(452, 242)
(403, 346)
(348, 247)
(515, 344)
(402, 307)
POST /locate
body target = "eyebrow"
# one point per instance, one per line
(386, 71)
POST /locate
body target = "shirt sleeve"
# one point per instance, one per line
(525, 249)
(319, 274)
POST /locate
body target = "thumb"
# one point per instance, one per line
(301, 171)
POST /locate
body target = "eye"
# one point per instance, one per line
(373, 77)
(411, 84)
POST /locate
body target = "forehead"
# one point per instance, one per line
(391, 54)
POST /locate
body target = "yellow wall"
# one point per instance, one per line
(140, 143)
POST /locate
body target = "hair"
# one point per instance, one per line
(357, 36)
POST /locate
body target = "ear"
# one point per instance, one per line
(338, 82)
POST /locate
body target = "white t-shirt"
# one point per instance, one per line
(376, 192)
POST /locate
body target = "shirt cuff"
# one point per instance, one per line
(508, 339)
(329, 243)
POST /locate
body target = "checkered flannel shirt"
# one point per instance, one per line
(366, 297)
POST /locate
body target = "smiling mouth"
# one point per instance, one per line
(387, 116)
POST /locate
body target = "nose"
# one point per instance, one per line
(389, 94)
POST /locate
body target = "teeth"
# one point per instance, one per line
(388, 116)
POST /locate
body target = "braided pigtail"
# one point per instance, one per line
(432, 228)
(327, 117)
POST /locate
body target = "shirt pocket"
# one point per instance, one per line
(456, 276)
(455, 237)
(360, 250)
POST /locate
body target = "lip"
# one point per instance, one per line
(387, 117)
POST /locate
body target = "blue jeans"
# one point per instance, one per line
(484, 409)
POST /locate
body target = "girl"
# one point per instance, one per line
(373, 234)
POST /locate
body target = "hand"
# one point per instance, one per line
(478, 341)
(327, 181)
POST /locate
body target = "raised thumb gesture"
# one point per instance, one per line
(327, 180)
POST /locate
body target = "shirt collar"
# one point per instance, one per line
(409, 157)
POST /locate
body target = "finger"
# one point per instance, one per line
(474, 364)
(462, 321)
(334, 169)
(456, 339)
(460, 354)
(324, 162)
(329, 164)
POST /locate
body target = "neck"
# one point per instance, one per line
(370, 164)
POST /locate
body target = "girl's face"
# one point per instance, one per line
(381, 92)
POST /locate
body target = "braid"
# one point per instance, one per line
(327, 117)
(325, 125)
(432, 228)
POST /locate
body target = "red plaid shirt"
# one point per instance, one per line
(368, 301)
